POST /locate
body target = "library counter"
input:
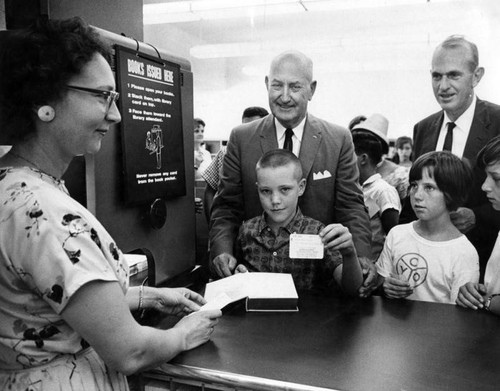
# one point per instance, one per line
(347, 344)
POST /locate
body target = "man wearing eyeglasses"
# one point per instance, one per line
(463, 126)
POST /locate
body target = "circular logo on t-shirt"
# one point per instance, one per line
(413, 268)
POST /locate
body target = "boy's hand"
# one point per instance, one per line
(369, 277)
(337, 237)
(224, 264)
(395, 288)
(240, 269)
(471, 295)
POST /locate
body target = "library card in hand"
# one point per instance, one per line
(306, 246)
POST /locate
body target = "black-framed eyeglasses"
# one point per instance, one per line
(110, 96)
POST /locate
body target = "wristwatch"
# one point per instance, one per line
(488, 301)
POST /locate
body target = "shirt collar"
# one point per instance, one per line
(371, 179)
(298, 131)
(463, 122)
(291, 227)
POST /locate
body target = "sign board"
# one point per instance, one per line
(151, 126)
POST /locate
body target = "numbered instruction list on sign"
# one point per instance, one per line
(151, 126)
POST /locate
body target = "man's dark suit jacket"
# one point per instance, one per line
(485, 126)
(332, 192)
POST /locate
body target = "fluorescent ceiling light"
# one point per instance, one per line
(188, 11)
(354, 44)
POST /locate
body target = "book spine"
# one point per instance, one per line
(271, 304)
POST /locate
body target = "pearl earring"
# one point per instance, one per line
(46, 113)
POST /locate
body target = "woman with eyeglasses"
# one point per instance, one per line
(65, 303)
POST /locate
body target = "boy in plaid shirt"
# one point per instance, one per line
(264, 241)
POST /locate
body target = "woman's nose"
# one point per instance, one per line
(113, 114)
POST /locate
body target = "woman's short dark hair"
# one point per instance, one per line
(199, 121)
(401, 141)
(453, 176)
(36, 64)
(489, 154)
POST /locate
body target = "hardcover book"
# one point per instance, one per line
(261, 292)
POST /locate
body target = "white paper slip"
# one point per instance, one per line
(217, 303)
(306, 246)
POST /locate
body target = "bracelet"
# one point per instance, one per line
(141, 297)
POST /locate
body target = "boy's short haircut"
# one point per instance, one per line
(280, 158)
(367, 142)
(489, 154)
(453, 176)
(401, 141)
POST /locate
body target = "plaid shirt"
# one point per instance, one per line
(212, 172)
(261, 250)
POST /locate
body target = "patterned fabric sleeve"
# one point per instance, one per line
(212, 172)
(333, 259)
(399, 179)
(57, 246)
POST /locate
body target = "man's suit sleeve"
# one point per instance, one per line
(407, 214)
(349, 203)
(227, 209)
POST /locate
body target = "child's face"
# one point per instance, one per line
(426, 199)
(404, 152)
(199, 129)
(279, 192)
(491, 185)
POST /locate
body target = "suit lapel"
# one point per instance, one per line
(267, 133)
(430, 142)
(479, 133)
(311, 139)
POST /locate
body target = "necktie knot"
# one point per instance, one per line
(288, 144)
(448, 140)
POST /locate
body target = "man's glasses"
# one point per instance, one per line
(110, 96)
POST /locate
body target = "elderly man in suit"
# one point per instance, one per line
(463, 126)
(325, 150)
